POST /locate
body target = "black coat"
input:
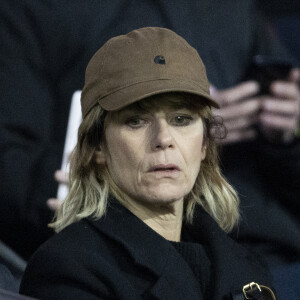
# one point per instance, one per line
(119, 257)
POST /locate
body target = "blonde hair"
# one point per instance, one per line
(90, 184)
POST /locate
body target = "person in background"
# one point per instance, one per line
(283, 17)
(42, 65)
(148, 209)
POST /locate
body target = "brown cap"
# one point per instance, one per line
(142, 63)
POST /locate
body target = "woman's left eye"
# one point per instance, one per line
(181, 120)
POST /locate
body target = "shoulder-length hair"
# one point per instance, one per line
(91, 184)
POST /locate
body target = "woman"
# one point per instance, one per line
(148, 209)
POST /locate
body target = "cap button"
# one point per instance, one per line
(159, 59)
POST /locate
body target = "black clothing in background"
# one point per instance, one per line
(120, 257)
(45, 46)
(276, 8)
(283, 17)
(7, 281)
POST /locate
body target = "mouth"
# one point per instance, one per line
(164, 168)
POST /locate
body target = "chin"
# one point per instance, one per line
(164, 198)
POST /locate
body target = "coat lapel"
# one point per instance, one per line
(174, 278)
(177, 282)
(232, 265)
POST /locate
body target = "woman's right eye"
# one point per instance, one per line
(135, 122)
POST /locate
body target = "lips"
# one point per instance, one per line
(164, 168)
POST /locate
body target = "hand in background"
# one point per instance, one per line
(239, 108)
(280, 110)
(61, 177)
(277, 114)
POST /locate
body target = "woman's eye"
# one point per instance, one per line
(181, 120)
(135, 122)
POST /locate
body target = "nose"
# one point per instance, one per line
(162, 136)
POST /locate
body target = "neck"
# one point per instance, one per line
(166, 220)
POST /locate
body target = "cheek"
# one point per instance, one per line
(123, 155)
(194, 143)
(117, 154)
(193, 153)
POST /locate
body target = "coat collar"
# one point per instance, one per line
(175, 279)
(232, 265)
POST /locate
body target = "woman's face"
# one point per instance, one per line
(154, 154)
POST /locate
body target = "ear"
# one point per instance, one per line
(203, 151)
(99, 156)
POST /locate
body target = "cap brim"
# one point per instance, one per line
(135, 92)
